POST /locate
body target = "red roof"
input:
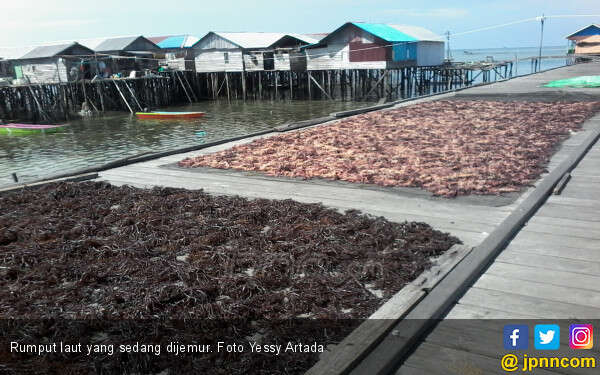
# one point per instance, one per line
(158, 39)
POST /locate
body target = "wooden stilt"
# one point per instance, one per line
(319, 86)
(122, 96)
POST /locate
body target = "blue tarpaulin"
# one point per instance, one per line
(385, 32)
(172, 42)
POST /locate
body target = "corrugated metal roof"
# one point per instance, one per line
(178, 41)
(251, 40)
(594, 25)
(109, 44)
(12, 53)
(299, 37)
(305, 38)
(419, 33)
(47, 51)
(317, 36)
(385, 32)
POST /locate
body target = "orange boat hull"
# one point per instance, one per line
(168, 115)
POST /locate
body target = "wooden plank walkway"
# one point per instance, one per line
(550, 270)
(468, 219)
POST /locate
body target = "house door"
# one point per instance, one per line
(269, 61)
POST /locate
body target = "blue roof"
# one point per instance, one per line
(385, 32)
(587, 31)
(172, 42)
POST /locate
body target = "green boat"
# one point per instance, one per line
(29, 128)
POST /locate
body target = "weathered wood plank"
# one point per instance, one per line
(550, 262)
(560, 201)
(586, 229)
(558, 251)
(590, 193)
(539, 239)
(518, 271)
(565, 222)
(570, 212)
(525, 305)
(464, 311)
(381, 200)
(540, 289)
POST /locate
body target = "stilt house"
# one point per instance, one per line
(593, 29)
(235, 52)
(123, 54)
(584, 41)
(357, 45)
(177, 51)
(49, 63)
(288, 53)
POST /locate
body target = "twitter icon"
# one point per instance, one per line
(547, 336)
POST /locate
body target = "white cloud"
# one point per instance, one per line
(436, 12)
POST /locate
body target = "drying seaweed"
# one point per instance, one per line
(107, 263)
(449, 148)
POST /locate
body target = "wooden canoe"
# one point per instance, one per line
(168, 115)
(29, 128)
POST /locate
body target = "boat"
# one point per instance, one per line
(29, 128)
(168, 115)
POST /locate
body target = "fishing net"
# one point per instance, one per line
(583, 81)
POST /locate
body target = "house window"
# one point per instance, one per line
(226, 57)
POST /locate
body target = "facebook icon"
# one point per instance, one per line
(516, 337)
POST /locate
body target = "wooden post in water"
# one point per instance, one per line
(308, 77)
(133, 95)
(41, 110)
(259, 85)
(101, 96)
(122, 96)
(243, 85)
(227, 83)
(319, 86)
(291, 85)
(182, 85)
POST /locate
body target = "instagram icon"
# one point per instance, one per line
(581, 336)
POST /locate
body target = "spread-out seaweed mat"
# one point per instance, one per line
(449, 148)
(97, 264)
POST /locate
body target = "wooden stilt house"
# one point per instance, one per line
(176, 51)
(48, 63)
(123, 54)
(357, 45)
(288, 53)
(235, 52)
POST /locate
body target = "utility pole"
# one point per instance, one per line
(539, 62)
(448, 55)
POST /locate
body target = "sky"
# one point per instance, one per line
(26, 22)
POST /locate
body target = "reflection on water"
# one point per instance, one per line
(93, 141)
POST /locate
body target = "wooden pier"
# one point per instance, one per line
(352, 84)
(59, 101)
